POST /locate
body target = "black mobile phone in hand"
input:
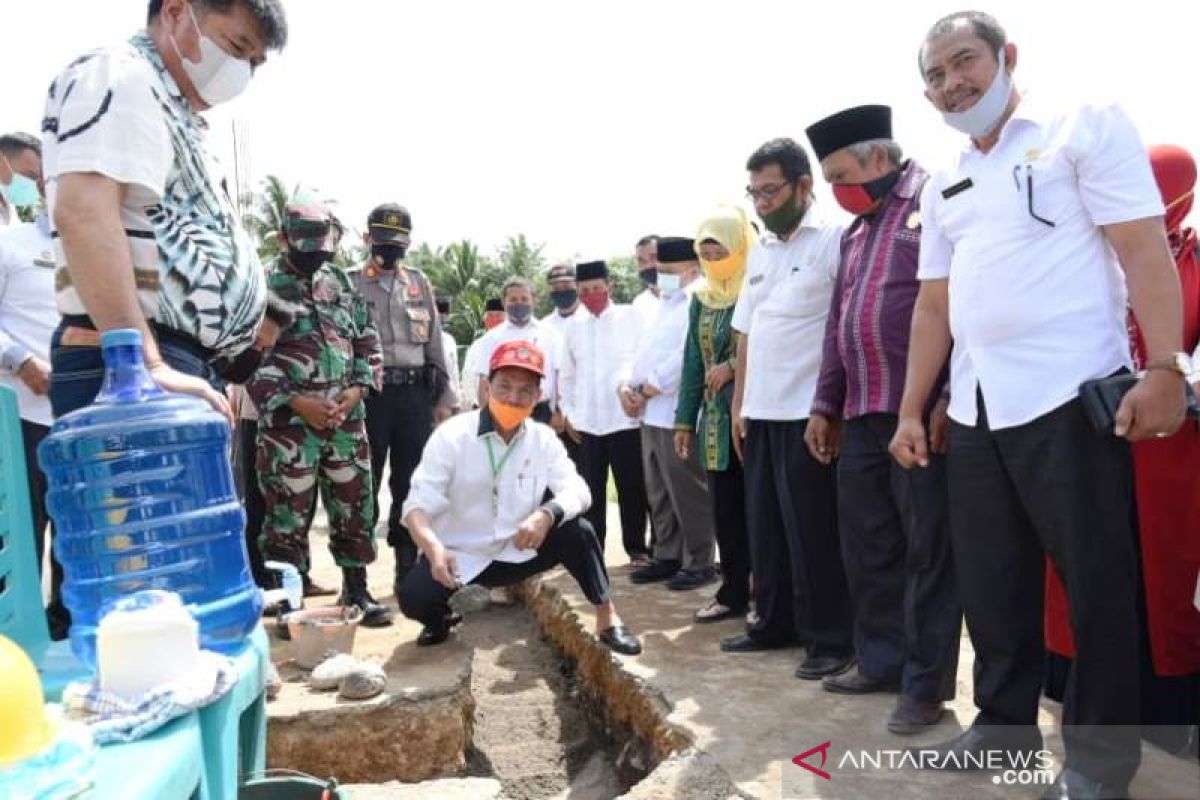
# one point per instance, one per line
(1101, 398)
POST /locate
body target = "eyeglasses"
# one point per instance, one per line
(767, 192)
(1029, 192)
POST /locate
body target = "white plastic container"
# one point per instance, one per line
(145, 640)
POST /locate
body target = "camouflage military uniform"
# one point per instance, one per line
(330, 347)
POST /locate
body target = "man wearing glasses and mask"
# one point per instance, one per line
(416, 392)
(791, 500)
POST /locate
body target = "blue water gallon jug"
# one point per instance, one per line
(142, 495)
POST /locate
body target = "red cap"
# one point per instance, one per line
(521, 354)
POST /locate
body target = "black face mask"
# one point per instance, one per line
(389, 254)
(308, 263)
(564, 298)
(649, 276)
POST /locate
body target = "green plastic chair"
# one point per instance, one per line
(234, 729)
(22, 617)
(168, 764)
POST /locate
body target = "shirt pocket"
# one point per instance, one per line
(420, 322)
(801, 293)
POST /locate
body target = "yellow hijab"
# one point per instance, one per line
(729, 226)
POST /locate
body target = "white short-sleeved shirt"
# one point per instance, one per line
(782, 308)
(1035, 309)
(541, 334)
(117, 112)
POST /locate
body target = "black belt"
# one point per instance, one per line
(161, 332)
(405, 376)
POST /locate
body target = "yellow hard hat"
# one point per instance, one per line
(24, 729)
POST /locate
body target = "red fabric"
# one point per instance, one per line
(1166, 472)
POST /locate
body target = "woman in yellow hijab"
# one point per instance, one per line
(705, 399)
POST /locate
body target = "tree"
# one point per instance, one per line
(264, 220)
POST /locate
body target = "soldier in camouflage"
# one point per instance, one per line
(309, 391)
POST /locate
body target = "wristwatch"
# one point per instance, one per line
(1179, 363)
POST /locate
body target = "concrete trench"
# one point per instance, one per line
(523, 704)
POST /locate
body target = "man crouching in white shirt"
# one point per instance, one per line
(495, 500)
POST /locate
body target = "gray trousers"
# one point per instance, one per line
(678, 495)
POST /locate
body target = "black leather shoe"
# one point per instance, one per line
(1073, 785)
(620, 640)
(745, 643)
(814, 668)
(857, 683)
(912, 716)
(969, 750)
(439, 632)
(691, 579)
(355, 593)
(654, 571)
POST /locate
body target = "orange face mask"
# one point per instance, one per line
(726, 268)
(508, 417)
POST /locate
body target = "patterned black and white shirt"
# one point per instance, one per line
(118, 112)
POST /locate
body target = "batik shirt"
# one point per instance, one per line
(118, 112)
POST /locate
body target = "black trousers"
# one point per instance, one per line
(791, 515)
(895, 530)
(57, 615)
(252, 498)
(623, 451)
(727, 498)
(572, 544)
(1052, 486)
(574, 451)
(399, 421)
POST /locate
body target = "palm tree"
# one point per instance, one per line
(264, 220)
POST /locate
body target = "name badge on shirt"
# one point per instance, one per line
(958, 188)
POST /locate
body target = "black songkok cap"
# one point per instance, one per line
(854, 125)
(676, 250)
(591, 270)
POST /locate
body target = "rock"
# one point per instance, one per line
(327, 675)
(363, 682)
(471, 599)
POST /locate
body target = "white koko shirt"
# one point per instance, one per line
(659, 361)
(1036, 309)
(598, 357)
(782, 308)
(454, 485)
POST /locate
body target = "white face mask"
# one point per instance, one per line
(669, 284)
(981, 119)
(219, 77)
